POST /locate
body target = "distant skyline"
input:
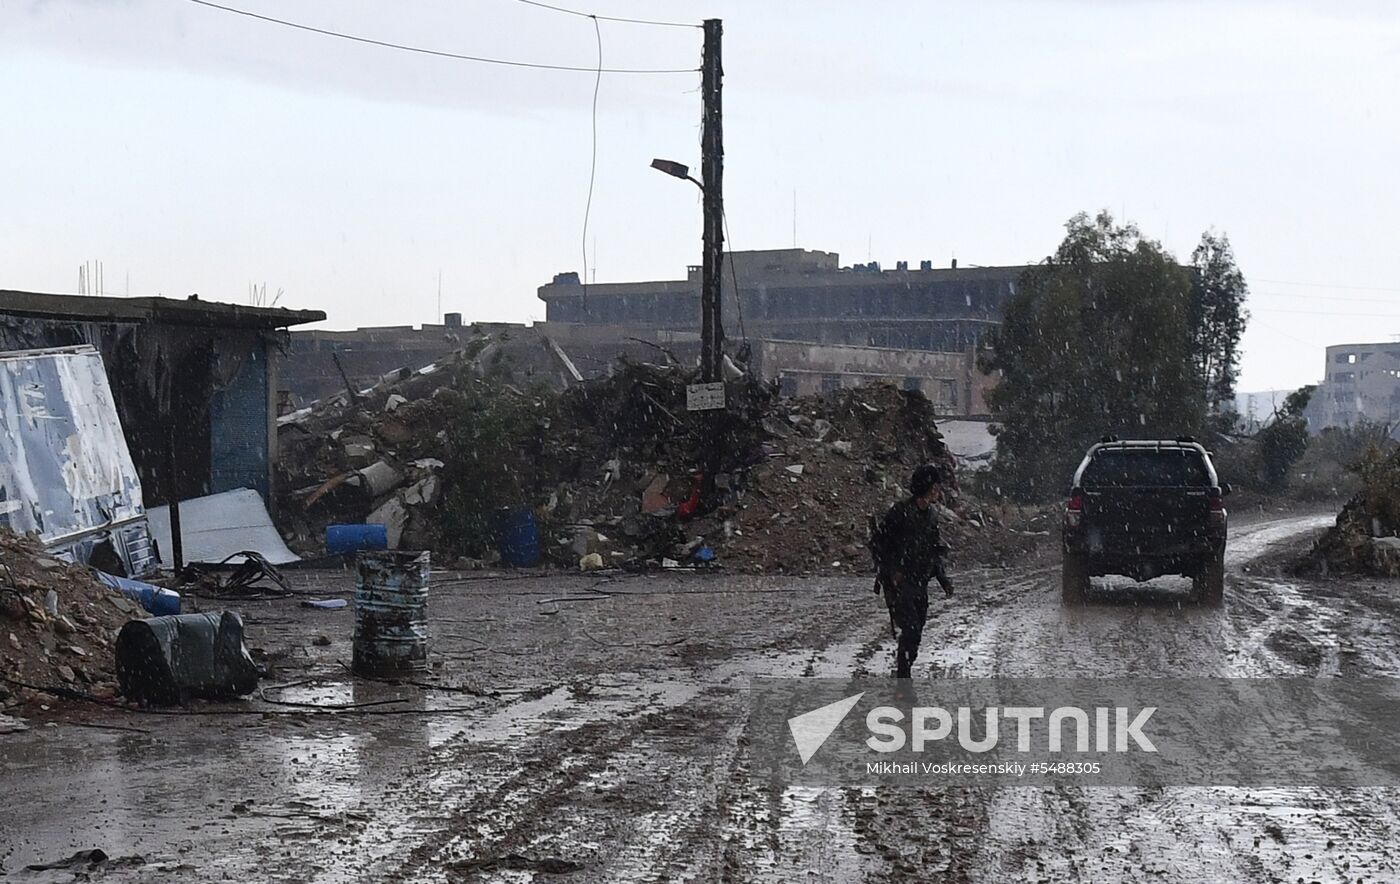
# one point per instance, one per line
(193, 150)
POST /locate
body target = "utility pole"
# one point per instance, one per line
(712, 174)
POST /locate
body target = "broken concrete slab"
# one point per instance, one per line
(424, 492)
(393, 515)
(358, 448)
(654, 498)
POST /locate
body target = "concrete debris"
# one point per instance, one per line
(612, 467)
(378, 479)
(424, 492)
(48, 607)
(393, 515)
(654, 498)
(590, 562)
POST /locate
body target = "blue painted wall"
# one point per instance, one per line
(238, 442)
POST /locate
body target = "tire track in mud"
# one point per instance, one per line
(648, 777)
(637, 778)
(1268, 627)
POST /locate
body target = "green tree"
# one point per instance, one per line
(1097, 339)
(1217, 319)
(492, 451)
(1284, 440)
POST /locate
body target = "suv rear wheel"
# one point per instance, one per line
(1209, 582)
(1074, 583)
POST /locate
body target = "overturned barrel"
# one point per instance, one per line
(391, 613)
(168, 660)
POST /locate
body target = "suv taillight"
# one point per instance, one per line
(1217, 511)
(1074, 509)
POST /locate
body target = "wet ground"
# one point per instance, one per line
(584, 728)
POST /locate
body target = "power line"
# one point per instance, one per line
(1332, 313)
(1346, 299)
(1278, 331)
(436, 52)
(630, 21)
(1328, 285)
(734, 275)
(593, 163)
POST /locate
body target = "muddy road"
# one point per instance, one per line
(593, 729)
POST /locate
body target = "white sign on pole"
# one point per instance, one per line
(704, 397)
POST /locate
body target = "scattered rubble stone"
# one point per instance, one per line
(89, 615)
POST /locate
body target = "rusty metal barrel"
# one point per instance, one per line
(391, 613)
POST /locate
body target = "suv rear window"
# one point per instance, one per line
(1119, 468)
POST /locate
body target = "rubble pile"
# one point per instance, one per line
(58, 624)
(1366, 536)
(612, 468)
(369, 458)
(830, 462)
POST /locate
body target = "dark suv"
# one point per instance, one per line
(1143, 509)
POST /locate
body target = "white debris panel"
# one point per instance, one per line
(218, 526)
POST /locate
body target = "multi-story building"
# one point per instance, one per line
(811, 324)
(800, 295)
(817, 325)
(1361, 381)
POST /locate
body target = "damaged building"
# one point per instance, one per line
(194, 382)
(810, 325)
(918, 328)
(321, 363)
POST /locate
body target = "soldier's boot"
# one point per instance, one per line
(903, 662)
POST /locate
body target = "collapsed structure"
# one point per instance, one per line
(608, 466)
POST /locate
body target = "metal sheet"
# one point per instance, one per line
(65, 469)
(215, 527)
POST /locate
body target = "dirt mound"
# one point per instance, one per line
(58, 624)
(1366, 537)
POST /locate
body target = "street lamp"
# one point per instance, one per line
(676, 170)
(711, 331)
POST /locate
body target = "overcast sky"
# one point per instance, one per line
(193, 150)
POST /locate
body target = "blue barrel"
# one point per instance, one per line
(391, 613)
(518, 540)
(353, 538)
(156, 599)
